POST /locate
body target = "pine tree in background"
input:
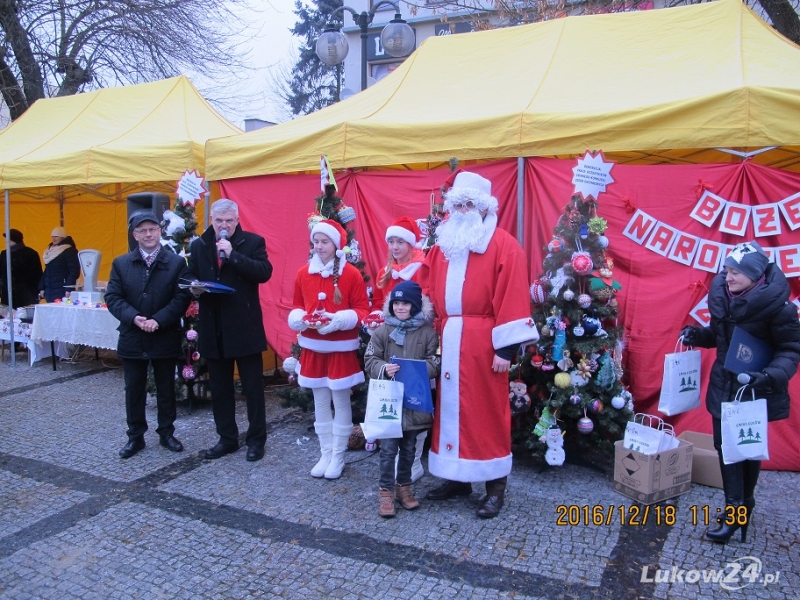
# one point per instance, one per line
(180, 227)
(331, 206)
(573, 373)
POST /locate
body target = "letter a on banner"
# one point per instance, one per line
(326, 174)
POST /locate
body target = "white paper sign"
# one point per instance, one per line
(190, 187)
(591, 175)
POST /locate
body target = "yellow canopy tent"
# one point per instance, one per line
(667, 85)
(75, 159)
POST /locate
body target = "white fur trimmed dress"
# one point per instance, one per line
(329, 360)
(482, 304)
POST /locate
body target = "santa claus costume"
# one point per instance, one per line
(476, 277)
(328, 362)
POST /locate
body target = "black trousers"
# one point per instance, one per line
(135, 372)
(251, 371)
(739, 479)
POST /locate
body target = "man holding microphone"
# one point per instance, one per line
(231, 329)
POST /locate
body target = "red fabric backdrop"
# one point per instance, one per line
(657, 295)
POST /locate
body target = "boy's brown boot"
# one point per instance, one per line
(405, 497)
(386, 507)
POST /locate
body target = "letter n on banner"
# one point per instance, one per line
(790, 207)
(766, 220)
(684, 248)
(708, 208)
(639, 227)
(710, 255)
(735, 218)
(661, 238)
(788, 259)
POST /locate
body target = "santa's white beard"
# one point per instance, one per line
(460, 233)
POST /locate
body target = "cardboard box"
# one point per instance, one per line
(655, 477)
(705, 462)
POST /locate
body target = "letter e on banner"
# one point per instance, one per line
(684, 248)
(709, 255)
(766, 220)
(661, 238)
(700, 312)
(788, 259)
(790, 207)
(639, 227)
(735, 218)
(708, 208)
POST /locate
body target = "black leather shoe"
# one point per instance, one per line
(169, 442)
(449, 489)
(131, 448)
(220, 450)
(255, 453)
(489, 506)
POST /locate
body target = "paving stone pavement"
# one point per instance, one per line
(76, 521)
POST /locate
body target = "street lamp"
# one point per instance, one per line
(397, 38)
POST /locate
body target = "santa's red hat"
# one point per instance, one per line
(406, 229)
(333, 230)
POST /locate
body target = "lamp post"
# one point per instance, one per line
(397, 38)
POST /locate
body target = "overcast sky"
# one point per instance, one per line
(272, 49)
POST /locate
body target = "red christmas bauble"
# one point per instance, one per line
(582, 263)
(538, 293)
(584, 300)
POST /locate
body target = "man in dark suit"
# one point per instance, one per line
(143, 294)
(231, 329)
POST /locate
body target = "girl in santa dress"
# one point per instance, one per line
(404, 239)
(330, 301)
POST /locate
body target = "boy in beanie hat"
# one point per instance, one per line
(404, 240)
(405, 334)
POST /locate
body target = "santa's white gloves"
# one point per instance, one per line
(296, 320)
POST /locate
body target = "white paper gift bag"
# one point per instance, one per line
(680, 387)
(384, 415)
(744, 429)
(644, 434)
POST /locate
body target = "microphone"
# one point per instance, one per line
(743, 378)
(223, 235)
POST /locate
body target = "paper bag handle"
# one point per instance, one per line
(740, 394)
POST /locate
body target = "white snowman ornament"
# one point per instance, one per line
(554, 439)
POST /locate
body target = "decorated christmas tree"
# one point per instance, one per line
(178, 232)
(573, 374)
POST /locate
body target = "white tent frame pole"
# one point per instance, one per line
(8, 283)
(521, 201)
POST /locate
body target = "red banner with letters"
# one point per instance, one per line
(669, 228)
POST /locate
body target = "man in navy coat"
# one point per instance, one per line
(231, 329)
(143, 294)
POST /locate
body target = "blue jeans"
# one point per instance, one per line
(406, 445)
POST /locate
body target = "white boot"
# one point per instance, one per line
(325, 435)
(340, 436)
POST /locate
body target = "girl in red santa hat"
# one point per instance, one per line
(328, 361)
(404, 239)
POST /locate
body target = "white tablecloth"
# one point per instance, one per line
(37, 350)
(94, 327)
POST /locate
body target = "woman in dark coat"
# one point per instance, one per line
(26, 271)
(61, 267)
(752, 294)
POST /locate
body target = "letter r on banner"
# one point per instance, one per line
(684, 248)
